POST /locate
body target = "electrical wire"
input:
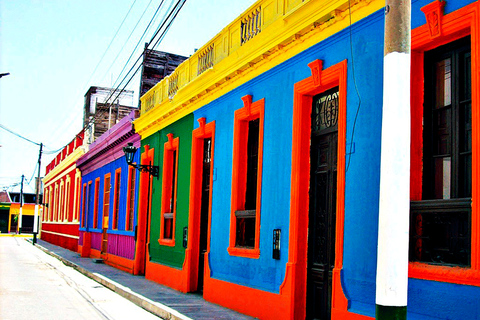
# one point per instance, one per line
(129, 36)
(111, 41)
(174, 11)
(355, 85)
(18, 135)
(179, 4)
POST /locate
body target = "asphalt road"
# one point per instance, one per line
(34, 285)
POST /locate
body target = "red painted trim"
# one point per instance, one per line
(141, 256)
(250, 111)
(169, 148)
(106, 200)
(295, 279)
(84, 214)
(455, 25)
(95, 203)
(130, 186)
(205, 131)
(116, 198)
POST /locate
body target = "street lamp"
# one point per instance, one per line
(130, 151)
(4, 74)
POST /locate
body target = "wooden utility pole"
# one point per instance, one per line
(394, 206)
(37, 197)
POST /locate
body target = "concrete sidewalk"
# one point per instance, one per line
(158, 299)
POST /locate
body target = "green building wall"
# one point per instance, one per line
(171, 256)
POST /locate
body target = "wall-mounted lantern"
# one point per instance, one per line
(130, 151)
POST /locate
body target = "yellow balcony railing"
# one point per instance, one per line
(246, 34)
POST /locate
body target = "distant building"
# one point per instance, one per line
(156, 66)
(62, 193)
(103, 108)
(108, 208)
(10, 205)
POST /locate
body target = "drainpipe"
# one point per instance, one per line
(394, 205)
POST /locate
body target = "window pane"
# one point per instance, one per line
(465, 184)
(168, 228)
(245, 232)
(442, 167)
(443, 83)
(252, 165)
(440, 232)
(442, 135)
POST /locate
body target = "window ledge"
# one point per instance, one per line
(253, 253)
(167, 242)
(458, 275)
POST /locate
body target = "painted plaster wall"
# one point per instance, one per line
(364, 114)
(100, 173)
(276, 86)
(175, 255)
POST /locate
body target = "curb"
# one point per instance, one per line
(156, 308)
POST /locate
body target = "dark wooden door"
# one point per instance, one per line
(323, 190)
(207, 160)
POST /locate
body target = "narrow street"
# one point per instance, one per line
(34, 285)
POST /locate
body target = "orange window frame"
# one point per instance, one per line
(204, 131)
(84, 202)
(249, 111)
(95, 204)
(130, 199)
(295, 282)
(116, 199)
(450, 27)
(106, 200)
(171, 146)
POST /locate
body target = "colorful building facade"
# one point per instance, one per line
(268, 142)
(61, 196)
(108, 202)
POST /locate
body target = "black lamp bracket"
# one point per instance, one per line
(153, 170)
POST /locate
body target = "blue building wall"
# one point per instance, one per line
(100, 173)
(363, 48)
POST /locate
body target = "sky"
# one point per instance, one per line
(55, 50)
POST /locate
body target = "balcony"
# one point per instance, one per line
(257, 39)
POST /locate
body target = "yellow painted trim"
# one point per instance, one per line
(304, 25)
(64, 164)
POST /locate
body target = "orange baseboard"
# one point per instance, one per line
(249, 301)
(121, 263)
(168, 276)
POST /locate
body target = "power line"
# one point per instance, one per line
(111, 41)
(18, 135)
(174, 11)
(129, 36)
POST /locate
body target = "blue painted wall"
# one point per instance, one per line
(363, 48)
(100, 173)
